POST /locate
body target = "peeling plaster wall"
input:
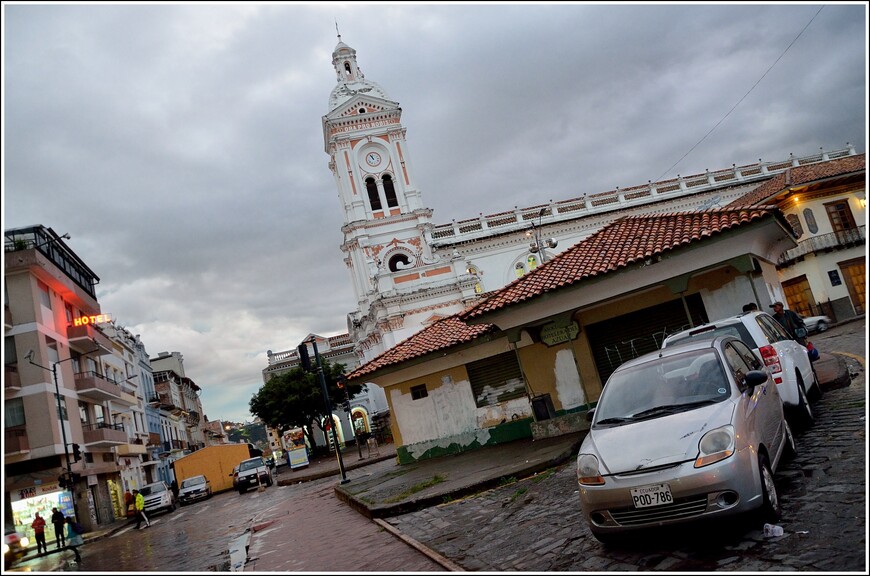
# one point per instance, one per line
(448, 410)
(568, 385)
(511, 410)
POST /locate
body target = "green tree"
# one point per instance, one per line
(293, 399)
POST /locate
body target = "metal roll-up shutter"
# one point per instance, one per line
(496, 379)
(628, 336)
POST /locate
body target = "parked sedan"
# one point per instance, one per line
(693, 431)
(193, 489)
(817, 323)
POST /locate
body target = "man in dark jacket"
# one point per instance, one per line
(58, 521)
(791, 321)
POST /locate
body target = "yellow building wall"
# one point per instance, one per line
(216, 463)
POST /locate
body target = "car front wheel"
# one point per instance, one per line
(771, 509)
(821, 327)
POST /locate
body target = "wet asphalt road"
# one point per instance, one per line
(535, 524)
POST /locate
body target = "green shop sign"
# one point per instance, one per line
(552, 335)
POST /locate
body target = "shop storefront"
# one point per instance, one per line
(41, 498)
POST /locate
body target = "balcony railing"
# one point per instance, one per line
(518, 219)
(136, 446)
(153, 439)
(825, 243)
(95, 386)
(12, 378)
(103, 434)
(16, 441)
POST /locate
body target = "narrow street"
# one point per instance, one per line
(533, 524)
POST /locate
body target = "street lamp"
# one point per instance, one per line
(69, 472)
(537, 245)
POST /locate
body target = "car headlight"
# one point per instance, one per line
(5, 548)
(715, 445)
(587, 470)
(25, 541)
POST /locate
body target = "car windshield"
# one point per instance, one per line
(151, 489)
(195, 481)
(737, 329)
(250, 465)
(662, 386)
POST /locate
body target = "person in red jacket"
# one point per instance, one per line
(39, 532)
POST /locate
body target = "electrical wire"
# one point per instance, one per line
(742, 98)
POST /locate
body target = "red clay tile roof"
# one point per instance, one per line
(801, 175)
(621, 243)
(444, 333)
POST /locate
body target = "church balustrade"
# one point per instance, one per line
(470, 229)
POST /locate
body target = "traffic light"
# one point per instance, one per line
(61, 481)
(77, 452)
(304, 358)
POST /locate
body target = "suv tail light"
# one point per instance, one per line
(771, 360)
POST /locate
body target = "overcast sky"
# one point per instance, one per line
(181, 146)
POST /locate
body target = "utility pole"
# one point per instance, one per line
(306, 365)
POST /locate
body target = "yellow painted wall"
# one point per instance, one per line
(216, 463)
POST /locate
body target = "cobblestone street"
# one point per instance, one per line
(535, 524)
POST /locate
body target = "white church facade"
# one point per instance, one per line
(410, 274)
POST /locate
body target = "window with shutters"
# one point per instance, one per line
(496, 379)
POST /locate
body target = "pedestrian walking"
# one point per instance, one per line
(140, 510)
(58, 522)
(791, 321)
(74, 538)
(174, 488)
(38, 526)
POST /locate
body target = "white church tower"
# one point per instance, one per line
(401, 283)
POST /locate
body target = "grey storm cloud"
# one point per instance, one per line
(181, 146)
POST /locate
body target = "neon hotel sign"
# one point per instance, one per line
(85, 320)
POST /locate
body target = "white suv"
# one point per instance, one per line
(158, 496)
(786, 360)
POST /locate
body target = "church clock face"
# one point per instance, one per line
(373, 159)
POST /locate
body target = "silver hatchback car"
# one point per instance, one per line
(689, 432)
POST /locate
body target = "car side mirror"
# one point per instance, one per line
(590, 415)
(753, 378)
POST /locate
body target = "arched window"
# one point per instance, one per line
(390, 192)
(372, 189)
(520, 269)
(533, 262)
(347, 67)
(398, 262)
